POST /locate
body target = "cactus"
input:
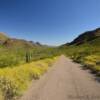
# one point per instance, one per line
(27, 57)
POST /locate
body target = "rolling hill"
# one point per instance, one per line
(87, 37)
(88, 40)
(3, 37)
(8, 42)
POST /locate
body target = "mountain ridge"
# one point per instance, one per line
(85, 37)
(8, 42)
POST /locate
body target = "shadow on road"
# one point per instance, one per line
(95, 74)
(97, 79)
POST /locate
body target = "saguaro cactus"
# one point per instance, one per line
(27, 57)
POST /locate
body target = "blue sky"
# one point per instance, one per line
(52, 22)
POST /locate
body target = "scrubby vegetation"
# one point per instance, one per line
(10, 57)
(86, 54)
(14, 81)
(85, 49)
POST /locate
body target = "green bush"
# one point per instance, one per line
(8, 88)
(14, 81)
(11, 57)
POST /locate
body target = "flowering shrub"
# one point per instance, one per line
(15, 80)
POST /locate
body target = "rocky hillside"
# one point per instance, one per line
(18, 43)
(86, 37)
(3, 37)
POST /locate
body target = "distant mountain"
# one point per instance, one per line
(16, 43)
(86, 37)
(3, 37)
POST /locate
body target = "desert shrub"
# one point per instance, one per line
(92, 62)
(6, 60)
(92, 59)
(79, 56)
(14, 81)
(11, 57)
(98, 63)
(8, 88)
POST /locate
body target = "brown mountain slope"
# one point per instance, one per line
(86, 37)
(3, 37)
(16, 43)
(19, 43)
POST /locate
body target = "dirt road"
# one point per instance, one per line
(64, 81)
